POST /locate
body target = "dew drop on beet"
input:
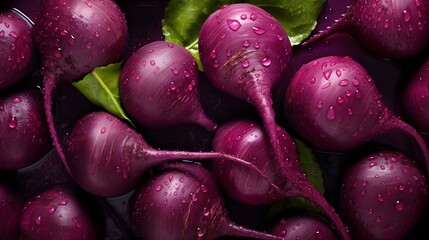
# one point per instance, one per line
(245, 64)
(246, 43)
(1, 33)
(102, 130)
(340, 100)
(380, 198)
(399, 206)
(243, 16)
(386, 23)
(233, 24)
(326, 85)
(173, 86)
(17, 100)
(13, 34)
(52, 210)
(253, 17)
(417, 2)
(355, 82)
(152, 62)
(330, 114)
(349, 111)
(257, 45)
(12, 122)
(370, 211)
(280, 37)
(372, 164)
(378, 219)
(406, 15)
(174, 70)
(319, 235)
(206, 212)
(38, 220)
(266, 62)
(327, 74)
(319, 104)
(258, 30)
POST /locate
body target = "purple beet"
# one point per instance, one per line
(17, 51)
(24, 133)
(73, 37)
(333, 103)
(107, 157)
(247, 140)
(60, 213)
(415, 98)
(390, 28)
(244, 51)
(303, 227)
(158, 87)
(382, 196)
(184, 202)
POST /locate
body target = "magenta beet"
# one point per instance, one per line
(184, 202)
(17, 50)
(303, 227)
(244, 51)
(60, 213)
(415, 98)
(158, 87)
(107, 157)
(382, 196)
(73, 37)
(386, 27)
(345, 109)
(24, 132)
(247, 140)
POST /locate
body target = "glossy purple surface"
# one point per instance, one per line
(144, 22)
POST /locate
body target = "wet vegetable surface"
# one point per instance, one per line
(389, 76)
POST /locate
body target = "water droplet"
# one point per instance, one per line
(89, 45)
(200, 232)
(97, 34)
(233, 24)
(246, 43)
(13, 123)
(57, 53)
(330, 114)
(378, 219)
(319, 235)
(327, 74)
(372, 164)
(174, 71)
(71, 40)
(280, 37)
(38, 220)
(370, 211)
(186, 74)
(203, 188)
(266, 62)
(326, 85)
(52, 210)
(245, 64)
(17, 100)
(406, 15)
(243, 16)
(183, 200)
(319, 104)
(386, 23)
(253, 17)
(358, 94)
(313, 80)
(152, 62)
(13, 34)
(417, 2)
(206, 212)
(63, 202)
(1, 33)
(380, 198)
(420, 25)
(340, 100)
(338, 72)
(258, 30)
(228, 52)
(102, 130)
(1, 108)
(256, 45)
(404, 170)
(172, 86)
(399, 205)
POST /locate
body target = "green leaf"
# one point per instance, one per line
(312, 169)
(101, 87)
(183, 19)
